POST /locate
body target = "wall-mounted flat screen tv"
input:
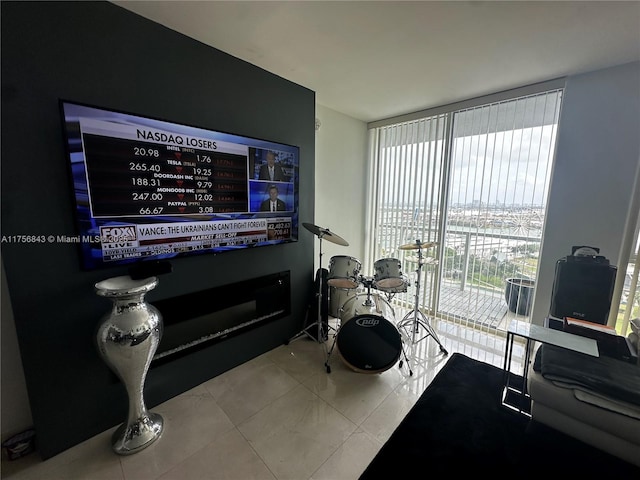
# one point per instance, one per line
(148, 189)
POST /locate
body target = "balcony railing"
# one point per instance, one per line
(467, 282)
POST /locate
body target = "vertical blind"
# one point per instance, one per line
(626, 298)
(633, 270)
(473, 182)
(501, 163)
(406, 173)
(625, 304)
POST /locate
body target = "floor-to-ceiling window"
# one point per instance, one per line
(626, 302)
(469, 184)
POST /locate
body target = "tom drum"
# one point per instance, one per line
(388, 274)
(368, 340)
(343, 271)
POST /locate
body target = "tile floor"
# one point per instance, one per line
(279, 416)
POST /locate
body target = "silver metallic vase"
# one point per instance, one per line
(128, 337)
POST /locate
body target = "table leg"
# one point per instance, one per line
(525, 373)
(507, 359)
(515, 397)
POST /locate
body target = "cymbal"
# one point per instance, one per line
(416, 246)
(326, 234)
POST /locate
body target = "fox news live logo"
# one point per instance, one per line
(119, 236)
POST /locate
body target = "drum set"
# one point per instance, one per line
(367, 339)
(367, 336)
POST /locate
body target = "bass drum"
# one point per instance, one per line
(368, 340)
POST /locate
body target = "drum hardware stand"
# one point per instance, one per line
(332, 237)
(333, 344)
(415, 318)
(389, 296)
(367, 282)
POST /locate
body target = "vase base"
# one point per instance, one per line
(131, 438)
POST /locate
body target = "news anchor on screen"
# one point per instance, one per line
(273, 203)
(271, 170)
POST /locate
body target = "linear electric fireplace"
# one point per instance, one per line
(197, 320)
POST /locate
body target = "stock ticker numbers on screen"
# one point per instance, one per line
(133, 178)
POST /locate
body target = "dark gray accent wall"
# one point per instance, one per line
(100, 54)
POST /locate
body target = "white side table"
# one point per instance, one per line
(515, 395)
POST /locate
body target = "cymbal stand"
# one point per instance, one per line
(318, 322)
(415, 318)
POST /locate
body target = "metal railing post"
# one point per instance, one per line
(465, 268)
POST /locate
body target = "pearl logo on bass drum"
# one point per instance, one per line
(367, 322)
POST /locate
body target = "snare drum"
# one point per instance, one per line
(343, 271)
(368, 340)
(388, 274)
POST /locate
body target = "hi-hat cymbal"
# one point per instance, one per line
(417, 245)
(326, 234)
(425, 260)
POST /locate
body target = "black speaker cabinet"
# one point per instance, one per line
(583, 288)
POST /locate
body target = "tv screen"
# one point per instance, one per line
(147, 189)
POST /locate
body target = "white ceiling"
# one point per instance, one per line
(376, 59)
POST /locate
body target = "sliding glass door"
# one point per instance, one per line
(472, 185)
